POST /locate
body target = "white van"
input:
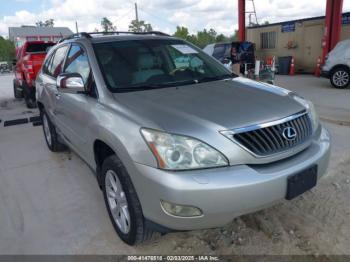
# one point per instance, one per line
(337, 65)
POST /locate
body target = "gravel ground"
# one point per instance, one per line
(50, 203)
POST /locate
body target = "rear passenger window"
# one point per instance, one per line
(46, 64)
(219, 51)
(55, 65)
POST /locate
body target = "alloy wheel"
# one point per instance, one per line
(47, 130)
(117, 201)
(341, 78)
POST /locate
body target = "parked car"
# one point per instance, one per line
(222, 52)
(176, 147)
(27, 64)
(337, 65)
(4, 67)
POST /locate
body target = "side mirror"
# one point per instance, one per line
(70, 83)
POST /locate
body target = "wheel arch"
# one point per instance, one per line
(101, 151)
(339, 66)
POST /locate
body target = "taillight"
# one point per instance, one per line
(29, 67)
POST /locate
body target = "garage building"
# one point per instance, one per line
(299, 38)
(19, 35)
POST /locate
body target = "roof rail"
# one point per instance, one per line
(129, 33)
(89, 35)
(78, 35)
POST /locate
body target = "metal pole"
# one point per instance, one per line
(332, 27)
(76, 27)
(336, 23)
(241, 20)
(137, 18)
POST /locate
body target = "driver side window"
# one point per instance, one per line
(77, 62)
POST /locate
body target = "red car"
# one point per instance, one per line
(27, 64)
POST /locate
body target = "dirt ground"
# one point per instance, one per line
(50, 203)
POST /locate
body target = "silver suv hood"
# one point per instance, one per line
(221, 105)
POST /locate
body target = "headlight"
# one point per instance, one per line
(174, 152)
(310, 109)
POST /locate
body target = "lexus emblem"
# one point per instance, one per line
(289, 133)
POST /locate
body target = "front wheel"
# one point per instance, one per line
(122, 203)
(340, 77)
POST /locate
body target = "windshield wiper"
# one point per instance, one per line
(216, 78)
(145, 86)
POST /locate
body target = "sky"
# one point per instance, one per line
(164, 15)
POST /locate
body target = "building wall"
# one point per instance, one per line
(307, 36)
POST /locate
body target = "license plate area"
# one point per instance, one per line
(301, 182)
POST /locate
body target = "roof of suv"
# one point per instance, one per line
(117, 36)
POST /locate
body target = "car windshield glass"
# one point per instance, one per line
(147, 64)
(39, 47)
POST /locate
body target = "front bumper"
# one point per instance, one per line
(223, 193)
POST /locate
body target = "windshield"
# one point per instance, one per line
(139, 65)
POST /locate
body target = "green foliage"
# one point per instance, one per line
(7, 50)
(140, 26)
(48, 23)
(203, 38)
(107, 25)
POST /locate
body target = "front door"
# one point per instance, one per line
(312, 47)
(74, 111)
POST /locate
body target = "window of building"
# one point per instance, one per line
(32, 38)
(268, 40)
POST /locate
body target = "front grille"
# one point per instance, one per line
(270, 140)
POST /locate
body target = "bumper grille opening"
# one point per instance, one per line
(271, 140)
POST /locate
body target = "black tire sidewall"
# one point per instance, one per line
(134, 207)
(55, 146)
(16, 92)
(29, 95)
(337, 70)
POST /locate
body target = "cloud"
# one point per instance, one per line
(163, 14)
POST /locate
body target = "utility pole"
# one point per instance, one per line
(137, 18)
(76, 27)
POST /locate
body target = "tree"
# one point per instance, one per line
(107, 25)
(181, 32)
(140, 26)
(203, 38)
(47, 23)
(7, 50)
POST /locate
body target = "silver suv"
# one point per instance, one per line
(177, 141)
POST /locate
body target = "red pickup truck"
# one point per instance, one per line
(27, 64)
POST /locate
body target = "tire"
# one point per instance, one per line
(50, 134)
(340, 77)
(29, 95)
(17, 93)
(135, 231)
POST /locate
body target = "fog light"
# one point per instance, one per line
(180, 210)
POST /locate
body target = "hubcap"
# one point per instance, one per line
(117, 202)
(341, 78)
(47, 130)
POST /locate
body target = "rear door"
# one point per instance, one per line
(47, 81)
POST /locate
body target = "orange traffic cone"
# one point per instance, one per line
(318, 67)
(292, 67)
